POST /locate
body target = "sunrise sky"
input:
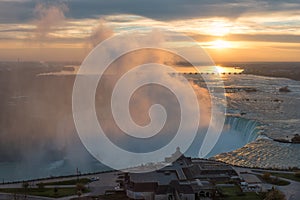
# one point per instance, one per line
(249, 30)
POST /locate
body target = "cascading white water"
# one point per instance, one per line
(248, 129)
(237, 132)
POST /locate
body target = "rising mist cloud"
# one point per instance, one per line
(48, 18)
(100, 33)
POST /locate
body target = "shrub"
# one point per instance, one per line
(55, 191)
(266, 176)
(80, 187)
(275, 195)
(25, 185)
(41, 185)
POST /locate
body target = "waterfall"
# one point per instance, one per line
(237, 132)
(248, 129)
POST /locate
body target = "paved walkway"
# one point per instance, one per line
(291, 191)
(5, 196)
(107, 181)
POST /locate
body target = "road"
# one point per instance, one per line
(5, 196)
(107, 181)
(291, 191)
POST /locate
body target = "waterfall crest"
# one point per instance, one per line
(237, 132)
(248, 129)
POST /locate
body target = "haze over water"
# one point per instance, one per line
(62, 152)
(252, 45)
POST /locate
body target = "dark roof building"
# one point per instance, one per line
(185, 179)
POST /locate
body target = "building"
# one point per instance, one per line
(185, 179)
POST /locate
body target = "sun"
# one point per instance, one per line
(219, 28)
(220, 69)
(220, 44)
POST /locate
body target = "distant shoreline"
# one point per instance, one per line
(292, 169)
(289, 70)
(57, 177)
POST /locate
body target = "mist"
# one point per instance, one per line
(48, 18)
(37, 133)
(99, 33)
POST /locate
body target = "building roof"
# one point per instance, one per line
(144, 187)
(250, 178)
(160, 177)
(207, 169)
(163, 189)
(184, 176)
(175, 186)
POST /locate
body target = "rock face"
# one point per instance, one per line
(284, 89)
(296, 138)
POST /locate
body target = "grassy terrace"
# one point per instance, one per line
(275, 181)
(294, 177)
(114, 197)
(45, 192)
(234, 193)
(69, 182)
(118, 196)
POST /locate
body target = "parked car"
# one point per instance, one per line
(94, 179)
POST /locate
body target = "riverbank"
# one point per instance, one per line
(289, 70)
(108, 181)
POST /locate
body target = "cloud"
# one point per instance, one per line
(75, 23)
(176, 9)
(100, 33)
(280, 38)
(48, 18)
(161, 10)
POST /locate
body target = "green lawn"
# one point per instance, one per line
(234, 193)
(274, 181)
(45, 192)
(69, 182)
(247, 196)
(114, 197)
(118, 196)
(288, 176)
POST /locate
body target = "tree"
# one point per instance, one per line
(80, 187)
(41, 185)
(55, 191)
(266, 176)
(79, 193)
(275, 195)
(25, 185)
